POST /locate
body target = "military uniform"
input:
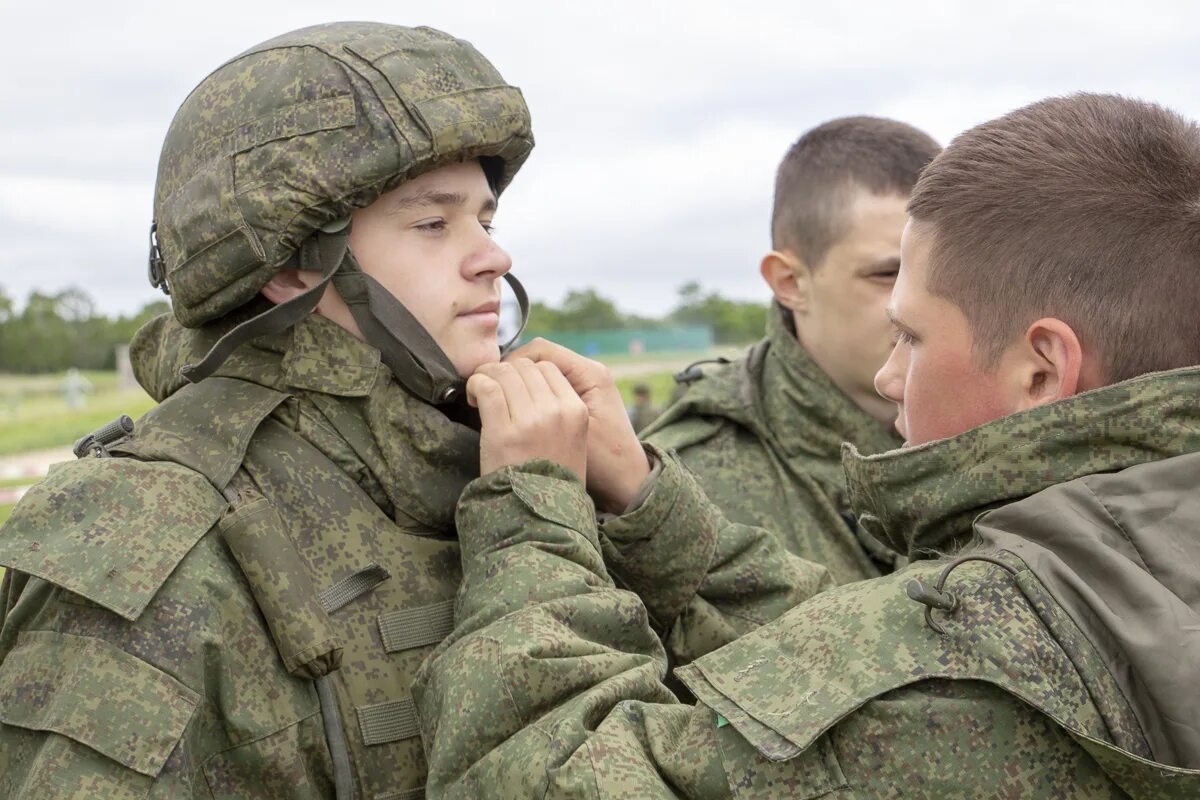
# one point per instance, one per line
(1054, 657)
(764, 434)
(232, 601)
(287, 519)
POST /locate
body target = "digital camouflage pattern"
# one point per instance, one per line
(764, 434)
(188, 566)
(850, 694)
(300, 130)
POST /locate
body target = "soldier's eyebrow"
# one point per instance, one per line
(436, 198)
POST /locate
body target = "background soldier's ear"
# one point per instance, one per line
(790, 279)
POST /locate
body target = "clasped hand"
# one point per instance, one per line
(545, 401)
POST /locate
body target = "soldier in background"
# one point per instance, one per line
(1045, 641)
(234, 600)
(764, 433)
(643, 411)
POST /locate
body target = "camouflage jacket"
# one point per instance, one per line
(238, 601)
(764, 434)
(855, 693)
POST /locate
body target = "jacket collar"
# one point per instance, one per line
(922, 500)
(780, 394)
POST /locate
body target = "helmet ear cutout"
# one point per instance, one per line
(323, 252)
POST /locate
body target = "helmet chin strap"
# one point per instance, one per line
(406, 348)
(417, 361)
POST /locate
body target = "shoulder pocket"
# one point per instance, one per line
(110, 529)
(96, 695)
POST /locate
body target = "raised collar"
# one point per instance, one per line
(922, 500)
(315, 355)
(805, 413)
(324, 357)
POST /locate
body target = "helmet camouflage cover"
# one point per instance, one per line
(291, 136)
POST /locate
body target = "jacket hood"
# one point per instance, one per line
(1120, 554)
(922, 500)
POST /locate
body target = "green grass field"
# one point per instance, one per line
(34, 415)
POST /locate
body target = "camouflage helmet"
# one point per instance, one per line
(267, 158)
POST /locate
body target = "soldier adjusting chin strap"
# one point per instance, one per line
(406, 348)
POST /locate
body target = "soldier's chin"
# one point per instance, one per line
(484, 353)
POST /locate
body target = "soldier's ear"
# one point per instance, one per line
(289, 283)
(790, 279)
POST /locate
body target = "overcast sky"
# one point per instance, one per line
(658, 124)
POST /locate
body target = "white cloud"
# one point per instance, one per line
(659, 124)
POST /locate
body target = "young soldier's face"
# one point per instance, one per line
(843, 326)
(932, 374)
(429, 243)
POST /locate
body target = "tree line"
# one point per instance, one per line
(53, 332)
(732, 321)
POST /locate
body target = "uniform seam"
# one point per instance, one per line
(508, 694)
(253, 740)
(1120, 528)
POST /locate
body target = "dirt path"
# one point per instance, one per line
(32, 465)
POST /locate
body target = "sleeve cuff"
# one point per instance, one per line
(662, 548)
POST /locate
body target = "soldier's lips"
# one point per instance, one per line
(487, 319)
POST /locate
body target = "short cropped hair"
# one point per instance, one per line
(816, 179)
(1085, 208)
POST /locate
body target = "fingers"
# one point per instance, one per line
(557, 382)
(485, 394)
(535, 382)
(583, 373)
(528, 411)
(516, 394)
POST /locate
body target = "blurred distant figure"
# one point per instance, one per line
(642, 412)
(75, 388)
(764, 433)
